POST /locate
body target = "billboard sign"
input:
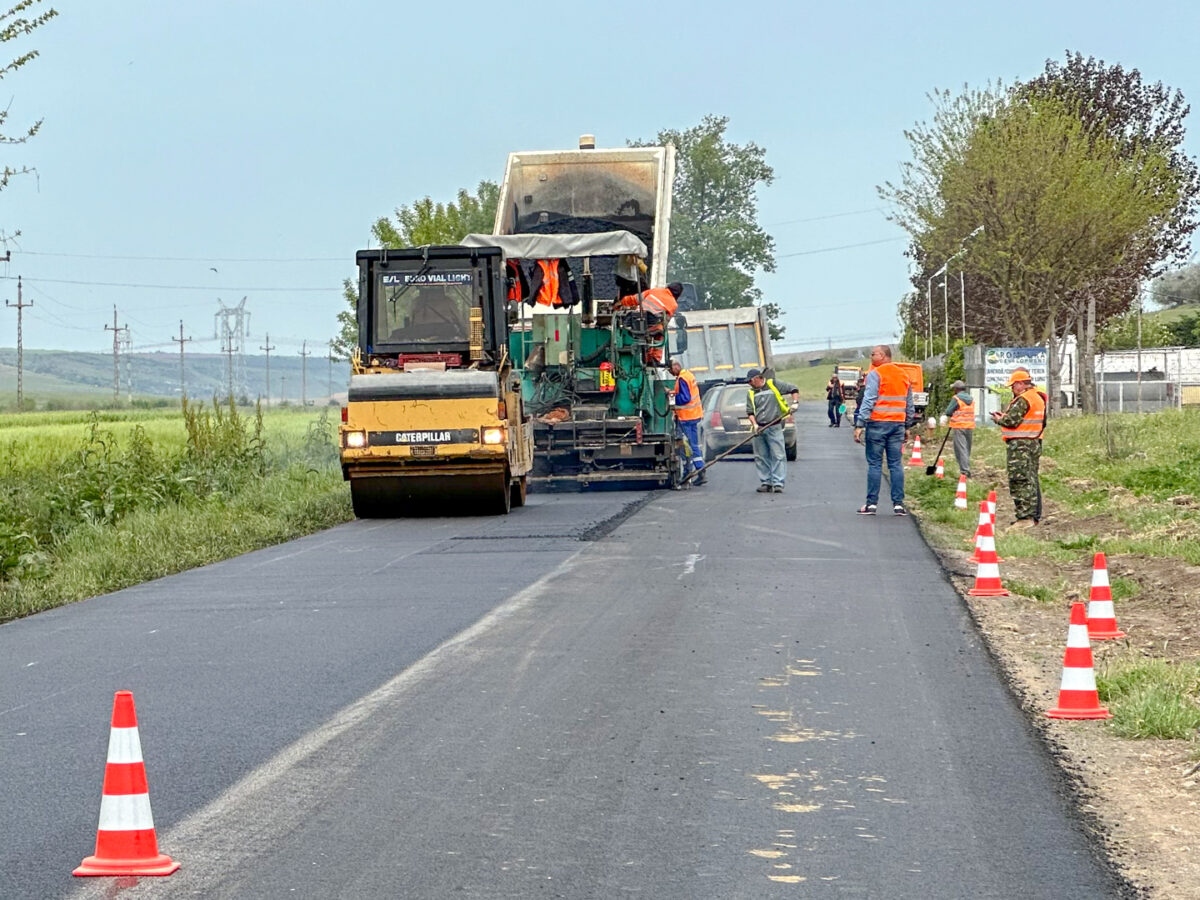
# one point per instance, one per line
(999, 363)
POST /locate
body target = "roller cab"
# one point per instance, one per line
(434, 420)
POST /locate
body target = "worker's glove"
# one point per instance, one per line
(943, 420)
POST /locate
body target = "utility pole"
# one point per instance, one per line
(19, 305)
(330, 371)
(116, 357)
(181, 340)
(127, 355)
(268, 350)
(227, 349)
(304, 355)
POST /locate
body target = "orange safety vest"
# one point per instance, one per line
(691, 410)
(659, 301)
(892, 404)
(964, 416)
(547, 294)
(518, 287)
(1034, 422)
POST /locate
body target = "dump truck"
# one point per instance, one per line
(434, 417)
(723, 345)
(592, 373)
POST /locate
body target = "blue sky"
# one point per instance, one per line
(261, 139)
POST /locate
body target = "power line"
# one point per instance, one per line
(856, 212)
(176, 287)
(205, 259)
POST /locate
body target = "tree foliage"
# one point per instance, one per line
(1082, 188)
(423, 223)
(20, 20)
(716, 241)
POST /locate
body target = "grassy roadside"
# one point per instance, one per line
(1122, 485)
(1125, 486)
(91, 506)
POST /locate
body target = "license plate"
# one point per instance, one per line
(422, 450)
(745, 423)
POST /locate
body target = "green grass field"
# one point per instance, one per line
(90, 503)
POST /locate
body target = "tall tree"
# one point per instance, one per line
(18, 21)
(716, 240)
(423, 223)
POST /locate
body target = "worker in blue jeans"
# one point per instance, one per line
(887, 408)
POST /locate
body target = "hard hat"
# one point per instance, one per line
(1019, 375)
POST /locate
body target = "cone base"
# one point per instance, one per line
(154, 865)
(1098, 713)
(988, 592)
(1105, 635)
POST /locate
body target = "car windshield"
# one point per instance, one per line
(423, 307)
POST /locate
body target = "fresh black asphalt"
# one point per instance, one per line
(729, 694)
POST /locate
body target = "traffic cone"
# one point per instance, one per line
(1078, 697)
(984, 519)
(941, 468)
(991, 501)
(960, 495)
(125, 839)
(915, 459)
(1101, 618)
(987, 574)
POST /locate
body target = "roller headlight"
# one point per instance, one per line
(356, 439)
(493, 436)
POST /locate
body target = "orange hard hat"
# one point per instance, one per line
(1019, 375)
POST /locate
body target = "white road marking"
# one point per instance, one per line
(689, 564)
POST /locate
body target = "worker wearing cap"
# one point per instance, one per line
(688, 414)
(960, 414)
(766, 409)
(1022, 424)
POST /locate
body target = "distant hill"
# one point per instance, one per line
(61, 374)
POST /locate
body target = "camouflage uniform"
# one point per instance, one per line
(1024, 456)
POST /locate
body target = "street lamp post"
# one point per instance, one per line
(929, 308)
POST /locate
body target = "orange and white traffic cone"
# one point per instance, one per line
(987, 574)
(941, 468)
(991, 502)
(125, 840)
(1101, 617)
(960, 494)
(984, 519)
(915, 459)
(1077, 696)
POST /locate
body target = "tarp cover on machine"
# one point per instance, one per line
(560, 246)
(423, 385)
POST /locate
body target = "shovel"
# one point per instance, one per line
(932, 468)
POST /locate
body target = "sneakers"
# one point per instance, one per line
(763, 489)
(867, 509)
(778, 488)
(899, 510)
(700, 479)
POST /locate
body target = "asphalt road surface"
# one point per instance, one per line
(710, 693)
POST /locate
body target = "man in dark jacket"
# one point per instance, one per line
(833, 393)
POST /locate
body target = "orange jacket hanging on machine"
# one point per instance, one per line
(552, 284)
(892, 404)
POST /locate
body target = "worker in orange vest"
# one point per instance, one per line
(960, 413)
(659, 304)
(688, 414)
(887, 408)
(1021, 425)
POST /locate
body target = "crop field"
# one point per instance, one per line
(92, 502)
